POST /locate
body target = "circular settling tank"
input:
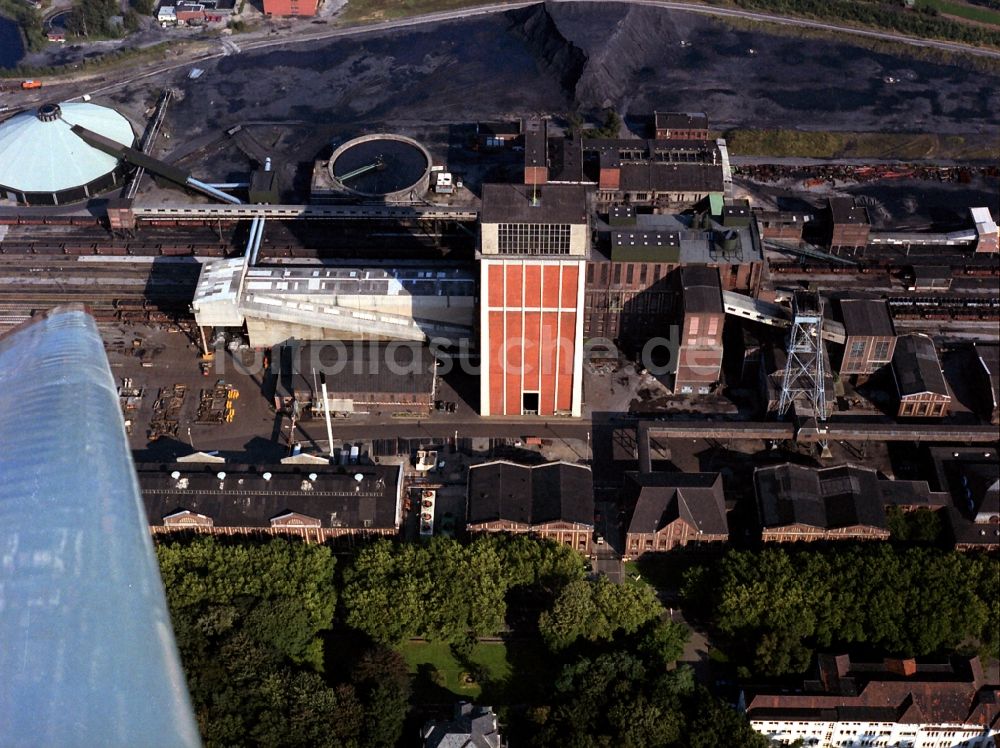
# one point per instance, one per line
(388, 167)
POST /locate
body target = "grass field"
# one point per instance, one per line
(509, 671)
(976, 13)
(794, 143)
(450, 674)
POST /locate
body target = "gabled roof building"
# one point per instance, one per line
(554, 500)
(920, 381)
(472, 727)
(671, 510)
(796, 503)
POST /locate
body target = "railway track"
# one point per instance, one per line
(889, 268)
(54, 247)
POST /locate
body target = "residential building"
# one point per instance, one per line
(680, 125)
(849, 224)
(302, 495)
(699, 355)
(533, 249)
(920, 381)
(899, 703)
(554, 501)
(471, 727)
(673, 510)
(870, 336)
(796, 503)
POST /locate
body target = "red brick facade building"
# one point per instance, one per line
(553, 501)
(672, 510)
(533, 245)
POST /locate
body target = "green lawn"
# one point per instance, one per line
(452, 675)
(512, 671)
(969, 12)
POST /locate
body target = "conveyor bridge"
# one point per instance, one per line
(774, 315)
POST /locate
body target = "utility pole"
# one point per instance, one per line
(326, 412)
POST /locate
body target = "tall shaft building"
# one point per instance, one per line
(533, 250)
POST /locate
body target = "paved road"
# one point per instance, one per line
(309, 35)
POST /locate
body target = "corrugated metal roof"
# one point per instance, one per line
(46, 156)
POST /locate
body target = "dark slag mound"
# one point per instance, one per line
(556, 55)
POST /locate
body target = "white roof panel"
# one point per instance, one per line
(46, 156)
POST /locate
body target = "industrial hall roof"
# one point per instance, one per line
(354, 366)
(547, 203)
(660, 498)
(866, 317)
(916, 366)
(39, 152)
(254, 495)
(531, 495)
(826, 498)
(702, 290)
(681, 120)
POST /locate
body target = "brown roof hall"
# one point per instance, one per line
(554, 500)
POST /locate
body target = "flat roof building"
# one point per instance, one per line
(657, 172)
(699, 355)
(850, 224)
(290, 7)
(680, 125)
(360, 376)
(315, 500)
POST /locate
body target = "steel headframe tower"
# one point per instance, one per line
(803, 381)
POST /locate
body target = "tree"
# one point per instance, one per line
(662, 643)
(131, 20)
(713, 723)
(905, 601)
(597, 611)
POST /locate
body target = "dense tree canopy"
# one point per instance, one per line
(597, 611)
(446, 591)
(909, 602)
(93, 18)
(251, 620)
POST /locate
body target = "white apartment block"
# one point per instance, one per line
(892, 704)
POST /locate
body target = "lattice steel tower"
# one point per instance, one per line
(804, 369)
